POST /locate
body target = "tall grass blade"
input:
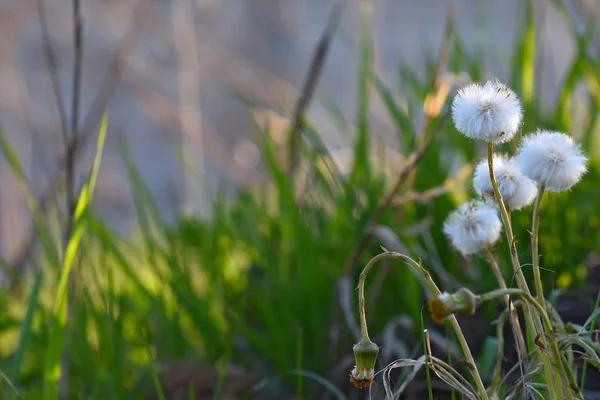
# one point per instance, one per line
(58, 329)
(26, 330)
(326, 383)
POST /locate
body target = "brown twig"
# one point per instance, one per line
(314, 72)
(420, 197)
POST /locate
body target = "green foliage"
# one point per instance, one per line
(257, 285)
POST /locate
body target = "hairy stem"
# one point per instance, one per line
(514, 316)
(418, 268)
(533, 322)
(535, 233)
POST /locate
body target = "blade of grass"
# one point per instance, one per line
(426, 352)
(48, 244)
(528, 60)
(155, 380)
(361, 149)
(299, 380)
(592, 328)
(26, 330)
(58, 327)
(326, 383)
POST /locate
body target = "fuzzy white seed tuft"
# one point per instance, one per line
(551, 159)
(473, 227)
(491, 112)
(517, 190)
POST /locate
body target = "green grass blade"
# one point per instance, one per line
(48, 244)
(326, 383)
(427, 373)
(592, 321)
(58, 328)
(361, 149)
(155, 380)
(26, 330)
(401, 119)
(529, 54)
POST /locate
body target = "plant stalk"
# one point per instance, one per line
(532, 322)
(535, 233)
(514, 316)
(418, 268)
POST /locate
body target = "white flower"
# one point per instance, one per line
(517, 190)
(472, 227)
(492, 112)
(551, 159)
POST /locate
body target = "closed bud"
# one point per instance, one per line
(444, 304)
(365, 356)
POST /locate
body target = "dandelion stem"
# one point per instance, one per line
(535, 233)
(554, 352)
(507, 224)
(533, 323)
(418, 268)
(514, 316)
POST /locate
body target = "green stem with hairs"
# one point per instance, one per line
(535, 233)
(532, 322)
(553, 351)
(514, 316)
(418, 268)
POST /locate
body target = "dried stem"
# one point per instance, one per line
(53, 70)
(314, 72)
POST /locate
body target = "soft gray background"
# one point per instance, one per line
(184, 63)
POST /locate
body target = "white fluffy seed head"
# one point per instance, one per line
(473, 227)
(491, 112)
(551, 159)
(517, 190)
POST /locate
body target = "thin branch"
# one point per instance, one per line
(71, 165)
(53, 70)
(73, 143)
(314, 72)
(108, 86)
(421, 197)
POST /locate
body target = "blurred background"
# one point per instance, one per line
(173, 75)
(237, 268)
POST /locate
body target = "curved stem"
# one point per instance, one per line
(535, 233)
(514, 316)
(422, 272)
(363, 276)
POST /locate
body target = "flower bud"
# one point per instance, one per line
(365, 355)
(444, 304)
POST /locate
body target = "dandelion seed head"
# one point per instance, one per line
(552, 159)
(473, 227)
(517, 190)
(491, 112)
